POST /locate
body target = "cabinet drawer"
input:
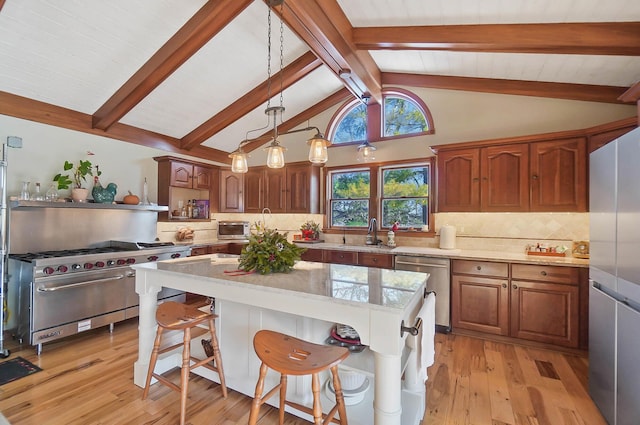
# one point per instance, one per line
(555, 274)
(480, 268)
(312, 255)
(370, 259)
(341, 257)
(201, 250)
(218, 249)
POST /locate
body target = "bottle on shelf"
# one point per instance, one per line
(25, 194)
(189, 209)
(52, 193)
(196, 210)
(38, 195)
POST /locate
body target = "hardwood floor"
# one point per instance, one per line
(87, 379)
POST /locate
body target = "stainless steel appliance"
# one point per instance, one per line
(233, 229)
(439, 282)
(614, 272)
(64, 292)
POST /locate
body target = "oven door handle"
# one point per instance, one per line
(84, 283)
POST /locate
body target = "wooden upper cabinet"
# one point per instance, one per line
(303, 188)
(505, 178)
(459, 180)
(189, 176)
(231, 187)
(254, 190)
(265, 188)
(559, 175)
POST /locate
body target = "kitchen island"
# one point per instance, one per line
(305, 303)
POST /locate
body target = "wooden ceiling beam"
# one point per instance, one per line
(340, 96)
(585, 92)
(291, 74)
(324, 27)
(603, 38)
(46, 113)
(201, 28)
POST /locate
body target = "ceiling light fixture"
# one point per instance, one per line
(366, 152)
(275, 152)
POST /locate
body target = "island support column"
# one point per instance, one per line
(387, 401)
(146, 326)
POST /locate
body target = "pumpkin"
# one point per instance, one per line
(131, 199)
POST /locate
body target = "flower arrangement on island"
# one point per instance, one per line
(268, 251)
(310, 230)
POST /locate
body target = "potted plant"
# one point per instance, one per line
(310, 230)
(78, 175)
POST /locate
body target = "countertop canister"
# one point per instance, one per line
(447, 237)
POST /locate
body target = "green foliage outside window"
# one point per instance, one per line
(353, 127)
(402, 116)
(350, 192)
(405, 196)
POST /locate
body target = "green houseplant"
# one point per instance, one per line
(310, 230)
(269, 252)
(75, 175)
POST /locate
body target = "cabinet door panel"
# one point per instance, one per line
(555, 274)
(340, 257)
(254, 190)
(275, 186)
(312, 254)
(505, 178)
(545, 312)
(370, 259)
(480, 304)
(230, 192)
(459, 180)
(181, 174)
(201, 177)
(559, 175)
(481, 268)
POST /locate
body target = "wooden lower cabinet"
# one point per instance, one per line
(340, 257)
(533, 302)
(201, 250)
(371, 259)
(312, 254)
(356, 258)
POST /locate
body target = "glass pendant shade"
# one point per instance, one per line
(239, 162)
(275, 155)
(318, 149)
(366, 152)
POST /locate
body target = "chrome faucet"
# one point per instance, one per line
(373, 227)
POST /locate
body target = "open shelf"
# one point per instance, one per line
(86, 205)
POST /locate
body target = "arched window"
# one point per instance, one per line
(404, 114)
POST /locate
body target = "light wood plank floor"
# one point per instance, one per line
(87, 379)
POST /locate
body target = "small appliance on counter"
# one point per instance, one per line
(233, 230)
(447, 237)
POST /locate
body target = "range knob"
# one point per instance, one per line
(63, 269)
(48, 270)
(121, 261)
(111, 263)
(175, 255)
(75, 267)
(99, 264)
(88, 266)
(131, 260)
(152, 258)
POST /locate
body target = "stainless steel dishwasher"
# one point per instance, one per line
(439, 282)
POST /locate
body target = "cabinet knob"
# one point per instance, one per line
(543, 273)
(375, 260)
(504, 285)
(478, 267)
(515, 286)
(475, 179)
(534, 177)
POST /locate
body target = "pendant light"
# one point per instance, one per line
(366, 152)
(275, 152)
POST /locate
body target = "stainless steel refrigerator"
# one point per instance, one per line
(614, 273)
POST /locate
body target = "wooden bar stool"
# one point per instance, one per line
(176, 316)
(292, 356)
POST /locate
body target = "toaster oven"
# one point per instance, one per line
(233, 230)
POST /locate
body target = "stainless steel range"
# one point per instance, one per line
(65, 292)
(67, 271)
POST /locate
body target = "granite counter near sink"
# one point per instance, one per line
(462, 254)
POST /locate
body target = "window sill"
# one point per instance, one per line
(399, 233)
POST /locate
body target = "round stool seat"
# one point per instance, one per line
(293, 356)
(174, 316)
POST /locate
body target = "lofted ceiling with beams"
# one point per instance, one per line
(190, 76)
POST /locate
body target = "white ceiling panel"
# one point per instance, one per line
(77, 53)
(579, 69)
(229, 66)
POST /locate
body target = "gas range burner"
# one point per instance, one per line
(30, 256)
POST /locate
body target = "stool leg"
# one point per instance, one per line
(337, 386)
(317, 408)
(152, 362)
(217, 357)
(283, 396)
(184, 374)
(257, 398)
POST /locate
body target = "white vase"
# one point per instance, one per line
(79, 194)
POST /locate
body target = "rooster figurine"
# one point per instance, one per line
(103, 195)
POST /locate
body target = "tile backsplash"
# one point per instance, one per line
(506, 232)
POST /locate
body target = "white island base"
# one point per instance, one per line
(242, 310)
